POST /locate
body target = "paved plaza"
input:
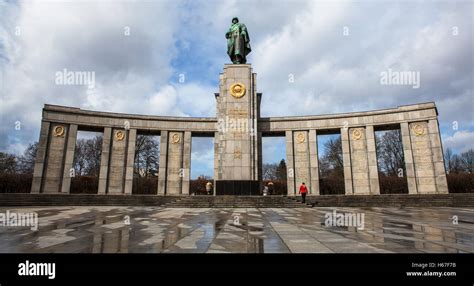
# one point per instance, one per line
(239, 230)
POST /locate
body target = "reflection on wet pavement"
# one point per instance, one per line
(239, 230)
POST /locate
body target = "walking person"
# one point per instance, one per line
(303, 192)
(209, 188)
(270, 188)
(265, 191)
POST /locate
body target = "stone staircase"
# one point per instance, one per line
(392, 200)
(82, 200)
(236, 202)
(399, 200)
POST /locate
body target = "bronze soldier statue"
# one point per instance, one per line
(238, 42)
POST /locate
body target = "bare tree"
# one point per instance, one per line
(331, 164)
(87, 156)
(26, 162)
(93, 150)
(448, 157)
(280, 172)
(8, 163)
(269, 171)
(467, 161)
(80, 157)
(390, 153)
(456, 164)
(147, 152)
(334, 153)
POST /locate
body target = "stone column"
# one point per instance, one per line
(104, 160)
(69, 159)
(217, 161)
(301, 159)
(55, 158)
(40, 160)
(423, 158)
(163, 163)
(346, 158)
(314, 163)
(175, 170)
(186, 162)
(259, 160)
(438, 157)
(131, 144)
(359, 162)
(237, 114)
(372, 161)
(408, 157)
(118, 158)
(290, 167)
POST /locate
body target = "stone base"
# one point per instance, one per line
(237, 188)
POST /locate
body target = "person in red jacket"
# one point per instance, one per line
(303, 192)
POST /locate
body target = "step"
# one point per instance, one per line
(449, 200)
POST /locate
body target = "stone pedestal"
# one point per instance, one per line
(40, 161)
(54, 158)
(302, 161)
(175, 163)
(175, 170)
(237, 138)
(120, 170)
(104, 160)
(427, 157)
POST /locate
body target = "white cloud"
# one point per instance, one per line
(163, 101)
(337, 73)
(461, 141)
(83, 36)
(135, 74)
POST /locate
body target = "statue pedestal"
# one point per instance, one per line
(238, 142)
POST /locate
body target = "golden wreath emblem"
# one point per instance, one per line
(59, 131)
(357, 134)
(300, 138)
(175, 138)
(119, 135)
(418, 129)
(237, 90)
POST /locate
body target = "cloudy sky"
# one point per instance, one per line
(139, 51)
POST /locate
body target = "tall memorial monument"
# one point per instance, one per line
(237, 130)
(237, 144)
(237, 141)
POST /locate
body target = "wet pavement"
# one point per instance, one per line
(239, 230)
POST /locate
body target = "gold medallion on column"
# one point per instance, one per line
(237, 90)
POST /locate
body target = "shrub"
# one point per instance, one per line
(332, 186)
(460, 183)
(84, 185)
(198, 186)
(145, 186)
(15, 183)
(393, 184)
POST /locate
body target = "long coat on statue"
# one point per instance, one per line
(238, 43)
